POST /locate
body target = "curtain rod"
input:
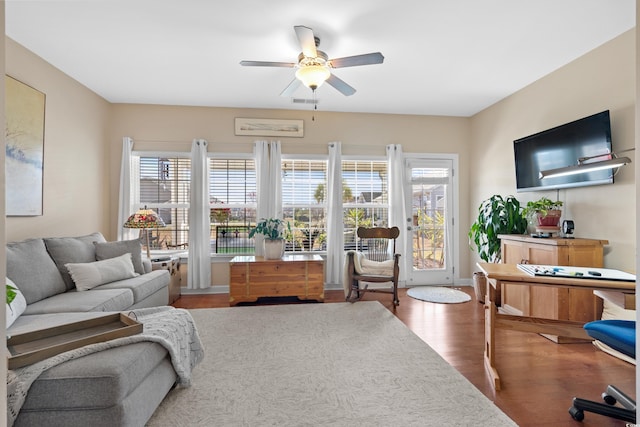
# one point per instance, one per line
(251, 144)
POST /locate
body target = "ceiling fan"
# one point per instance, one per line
(314, 66)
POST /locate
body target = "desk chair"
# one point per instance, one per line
(376, 261)
(621, 336)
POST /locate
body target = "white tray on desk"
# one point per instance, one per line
(576, 272)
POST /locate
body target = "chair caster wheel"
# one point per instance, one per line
(609, 399)
(576, 413)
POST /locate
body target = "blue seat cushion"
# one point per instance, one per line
(617, 334)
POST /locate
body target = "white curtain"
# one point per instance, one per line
(126, 198)
(199, 276)
(397, 208)
(335, 225)
(269, 185)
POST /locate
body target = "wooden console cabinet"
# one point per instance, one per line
(253, 277)
(546, 302)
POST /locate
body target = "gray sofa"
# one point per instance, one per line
(39, 269)
(118, 387)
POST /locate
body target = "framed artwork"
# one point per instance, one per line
(24, 135)
(270, 127)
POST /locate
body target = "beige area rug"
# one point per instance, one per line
(337, 364)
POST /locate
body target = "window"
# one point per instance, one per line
(429, 187)
(232, 194)
(304, 184)
(365, 196)
(164, 183)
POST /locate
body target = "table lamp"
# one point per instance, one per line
(144, 219)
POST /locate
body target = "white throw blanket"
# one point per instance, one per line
(365, 266)
(173, 328)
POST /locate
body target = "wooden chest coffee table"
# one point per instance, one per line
(254, 277)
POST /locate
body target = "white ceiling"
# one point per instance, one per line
(442, 57)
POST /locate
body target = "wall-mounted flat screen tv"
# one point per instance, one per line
(562, 146)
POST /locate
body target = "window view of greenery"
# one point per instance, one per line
(164, 186)
(304, 205)
(429, 217)
(365, 197)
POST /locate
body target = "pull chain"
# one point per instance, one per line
(315, 107)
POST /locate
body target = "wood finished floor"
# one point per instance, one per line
(539, 377)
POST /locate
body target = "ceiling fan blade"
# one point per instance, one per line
(352, 61)
(288, 91)
(340, 85)
(307, 41)
(267, 64)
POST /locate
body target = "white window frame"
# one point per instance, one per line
(346, 206)
(135, 185)
(254, 205)
(323, 205)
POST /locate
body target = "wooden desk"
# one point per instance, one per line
(499, 275)
(253, 277)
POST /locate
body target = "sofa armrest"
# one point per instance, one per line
(146, 264)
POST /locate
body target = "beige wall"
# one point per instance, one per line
(600, 80)
(75, 197)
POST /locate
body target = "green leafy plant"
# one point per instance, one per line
(357, 218)
(271, 228)
(11, 294)
(496, 215)
(541, 206)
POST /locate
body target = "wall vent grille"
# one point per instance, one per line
(304, 101)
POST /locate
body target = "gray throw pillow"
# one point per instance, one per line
(65, 250)
(113, 249)
(33, 271)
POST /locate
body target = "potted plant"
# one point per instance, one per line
(11, 293)
(546, 211)
(496, 215)
(273, 231)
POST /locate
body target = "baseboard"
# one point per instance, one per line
(215, 289)
(224, 289)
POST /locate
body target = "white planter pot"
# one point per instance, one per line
(273, 248)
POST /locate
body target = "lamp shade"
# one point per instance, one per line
(144, 218)
(312, 76)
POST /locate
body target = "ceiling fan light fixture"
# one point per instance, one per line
(312, 76)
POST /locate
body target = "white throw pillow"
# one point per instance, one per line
(91, 274)
(17, 306)
(380, 268)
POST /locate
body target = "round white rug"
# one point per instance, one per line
(438, 294)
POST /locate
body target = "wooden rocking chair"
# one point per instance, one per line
(375, 261)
